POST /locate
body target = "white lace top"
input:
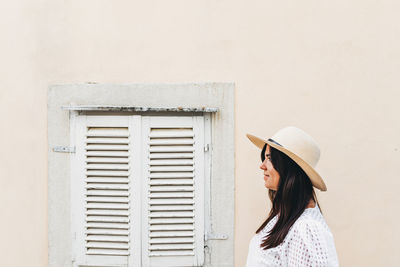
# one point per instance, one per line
(309, 242)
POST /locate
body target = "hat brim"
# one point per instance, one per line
(314, 176)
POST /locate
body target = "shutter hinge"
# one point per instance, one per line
(213, 236)
(64, 149)
(206, 147)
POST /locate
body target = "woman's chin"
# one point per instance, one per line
(267, 186)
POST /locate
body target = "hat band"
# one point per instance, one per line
(269, 139)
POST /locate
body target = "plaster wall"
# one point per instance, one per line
(328, 67)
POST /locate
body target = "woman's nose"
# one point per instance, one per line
(263, 166)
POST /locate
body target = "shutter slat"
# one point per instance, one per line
(175, 227)
(114, 238)
(108, 186)
(171, 246)
(171, 169)
(171, 195)
(96, 166)
(171, 133)
(107, 212)
(107, 154)
(107, 245)
(110, 147)
(107, 232)
(110, 252)
(171, 201)
(107, 225)
(172, 253)
(108, 199)
(171, 155)
(171, 220)
(116, 206)
(108, 180)
(171, 149)
(107, 193)
(172, 214)
(163, 162)
(99, 140)
(115, 219)
(171, 182)
(107, 173)
(172, 188)
(108, 133)
(171, 234)
(106, 160)
(170, 207)
(175, 240)
(171, 175)
(171, 141)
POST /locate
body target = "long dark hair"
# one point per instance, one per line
(294, 192)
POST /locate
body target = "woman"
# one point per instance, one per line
(295, 232)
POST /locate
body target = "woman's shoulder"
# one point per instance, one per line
(311, 221)
(311, 236)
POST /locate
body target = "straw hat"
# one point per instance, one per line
(299, 146)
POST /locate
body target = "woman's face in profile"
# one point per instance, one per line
(271, 176)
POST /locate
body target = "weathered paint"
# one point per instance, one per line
(139, 109)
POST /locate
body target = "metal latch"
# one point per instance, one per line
(206, 147)
(212, 236)
(64, 149)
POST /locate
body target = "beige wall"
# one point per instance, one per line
(329, 67)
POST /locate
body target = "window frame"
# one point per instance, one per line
(220, 128)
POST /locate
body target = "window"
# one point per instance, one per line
(143, 185)
(138, 190)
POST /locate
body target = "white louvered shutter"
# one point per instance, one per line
(106, 229)
(173, 173)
